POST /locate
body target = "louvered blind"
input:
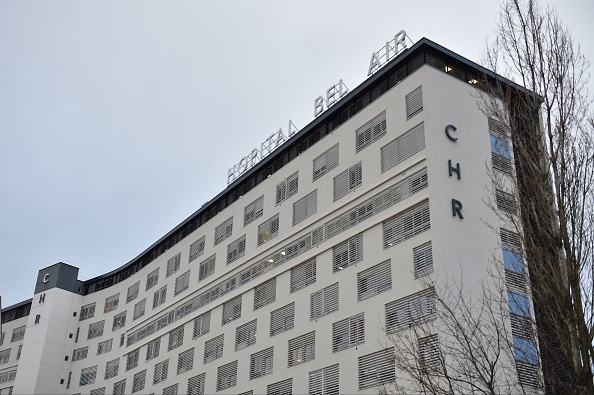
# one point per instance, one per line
(96, 329)
(139, 308)
(347, 253)
(161, 370)
(196, 385)
(86, 312)
(236, 250)
(261, 363)
(516, 282)
(265, 294)
(348, 332)
(348, 180)
(501, 164)
(119, 388)
(284, 387)
(323, 302)
(173, 265)
(153, 348)
(213, 348)
(497, 127)
(171, 390)
(325, 162)
(253, 210)
(302, 349)
(197, 248)
(505, 202)
(429, 355)
(375, 280)
(138, 381)
(303, 275)
(132, 359)
(414, 102)
(176, 338)
(370, 132)
(223, 231)
(182, 283)
(152, 279)
(104, 346)
(268, 230)
(201, 325)
(88, 375)
(282, 320)
(423, 259)
(305, 207)
(287, 188)
(521, 327)
(119, 320)
(324, 381)
(376, 368)
(411, 310)
(528, 374)
(207, 268)
(5, 356)
(111, 368)
(185, 361)
(403, 147)
(245, 335)
(406, 224)
(510, 240)
(132, 292)
(80, 353)
(98, 391)
(159, 296)
(227, 376)
(231, 310)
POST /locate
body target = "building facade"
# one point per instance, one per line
(289, 279)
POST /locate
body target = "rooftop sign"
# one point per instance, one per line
(391, 49)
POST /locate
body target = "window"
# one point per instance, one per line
(176, 338)
(505, 202)
(325, 162)
(159, 297)
(111, 368)
(323, 302)
(122, 339)
(132, 359)
(302, 349)
(374, 281)
(153, 348)
(104, 346)
(370, 132)
(423, 259)
(161, 370)
(348, 181)
(182, 283)
(261, 363)
(287, 188)
(410, 310)
(197, 248)
(223, 231)
(96, 329)
(376, 368)
(518, 304)
(207, 268)
(19, 351)
(196, 385)
(253, 210)
(500, 147)
(348, 332)
(173, 265)
(324, 381)
(88, 375)
(284, 387)
(501, 164)
(87, 311)
(265, 294)
(303, 275)
(119, 320)
(18, 334)
(407, 224)
(245, 335)
(138, 381)
(185, 361)
(80, 353)
(4, 356)
(132, 292)
(521, 327)
(268, 230)
(119, 388)
(139, 309)
(305, 207)
(201, 325)
(510, 240)
(152, 279)
(525, 351)
(231, 310)
(236, 250)
(513, 261)
(347, 253)
(402, 147)
(227, 376)
(429, 355)
(282, 320)
(213, 348)
(171, 390)
(528, 374)
(414, 102)
(98, 391)
(8, 376)
(111, 303)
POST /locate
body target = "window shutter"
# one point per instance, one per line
(505, 202)
(161, 370)
(261, 363)
(104, 346)
(348, 332)
(119, 320)
(119, 388)
(370, 132)
(347, 253)
(223, 231)
(173, 265)
(265, 294)
(197, 248)
(201, 325)
(302, 349)
(423, 259)
(152, 279)
(409, 223)
(253, 210)
(138, 381)
(305, 207)
(176, 338)
(196, 385)
(88, 375)
(245, 335)
(429, 355)
(303, 275)
(132, 359)
(402, 147)
(282, 320)
(139, 308)
(414, 102)
(411, 310)
(325, 162)
(213, 348)
(185, 361)
(348, 181)
(376, 368)
(231, 310)
(80, 353)
(171, 390)
(227, 376)
(324, 381)
(207, 268)
(284, 387)
(287, 188)
(132, 292)
(375, 280)
(96, 329)
(236, 250)
(112, 368)
(510, 240)
(182, 283)
(324, 302)
(268, 230)
(153, 348)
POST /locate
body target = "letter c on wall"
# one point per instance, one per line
(45, 277)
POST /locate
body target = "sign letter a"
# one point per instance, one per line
(373, 64)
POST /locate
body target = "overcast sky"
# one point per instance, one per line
(119, 119)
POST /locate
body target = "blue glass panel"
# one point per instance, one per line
(500, 147)
(525, 350)
(513, 261)
(518, 304)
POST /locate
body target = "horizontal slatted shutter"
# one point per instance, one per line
(96, 329)
(287, 188)
(119, 320)
(201, 325)
(521, 327)
(182, 283)
(268, 230)
(88, 375)
(348, 180)
(325, 162)
(510, 240)
(501, 164)
(305, 207)
(196, 384)
(411, 310)
(407, 224)
(236, 250)
(528, 374)
(265, 294)
(139, 308)
(207, 268)
(223, 231)
(132, 292)
(253, 210)
(213, 348)
(185, 361)
(227, 376)
(284, 387)
(197, 248)
(375, 280)
(176, 338)
(497, 127)
(376, 368)
(171, 390)
(302, 349)
(370, 132)
(348, 332)
(153, 348)
(429, 355)
(173, 265)
(414, 102)
(505, 202)
(80, 353)
(132, 359)
(104, 346)
(261, 363)
(111, 303)
(98, 391)
(516, 282)
(231, 310)
(152, 279)
(423, 259)
(303, 275)
(403, 147)
(347, 253)
(138, 381)
(161, 371)
(159, 296)
(324, 302)
(119, 388)
(245, 335)
(282, 320)
(324, 381)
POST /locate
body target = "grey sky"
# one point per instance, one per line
(120, 119)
